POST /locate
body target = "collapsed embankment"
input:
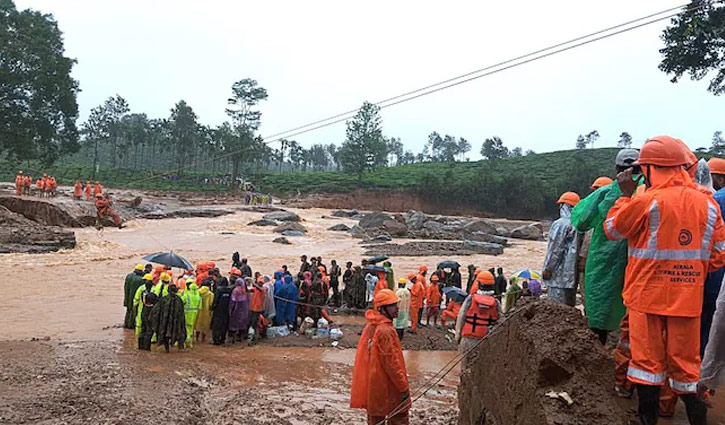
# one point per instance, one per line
(516, 376)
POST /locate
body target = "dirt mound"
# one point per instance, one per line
(18, 234)
(541, 347)
(59, 212)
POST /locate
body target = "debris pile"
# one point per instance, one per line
(541, 365)
(19, 234)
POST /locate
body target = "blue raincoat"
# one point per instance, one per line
(289, 291)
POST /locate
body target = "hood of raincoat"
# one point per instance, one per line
(565, 211)
(193, 289)
(668, 176)
(203, 290)
(235, 257)
(703, 176)
(370, 279)
(278, 275)
(287, 279)
(376, 318)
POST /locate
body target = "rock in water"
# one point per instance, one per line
(293, 233)
(282, 240)
(282, 216)
(339, 228)
(480, 225)
(290, 227)
(359, 232)
(433, 226)
(263, 222)
(483, 247)
(554, 350)
(486, 237)
(395, 228)
(415, 219)
(345, 214)
(374, 220)
(533, 231)
(502, 231)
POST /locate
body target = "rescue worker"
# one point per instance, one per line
(19, 182)
(714, 280)
(77, 191)
(192, 307)
(203, 319)
(378, 284)
(133, 281)
(604, 180)
(401, 322)
(605, 260)
(257, 307)
(220, 309)
(40, 187)
(479, 311)
(559, 270)
(139, 298)
(433, 298)
(104, 208)
(451, 312)
(420, 278)
(417, 295)
(380, 380)
(168, 320)
(161, 289)
(147, 332)
(97, 189)
(675, 235)
(88, 191)
(27, 184)
(712, 374)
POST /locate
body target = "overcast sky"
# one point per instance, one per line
(321, 58)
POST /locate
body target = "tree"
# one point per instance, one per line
(318, 157)
(529, 152)
(517, 151)
(184, 132)
(494, 149)
(334, 153)
(464, 146)
(38, 108)
(394, 149)
(105, 125)
(364, 148)
(625, 140)
(581, 142)
(245, 120)
(695, 44)
(718, 144)
(588, 139)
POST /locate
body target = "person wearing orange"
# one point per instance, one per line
(88, 191)
(379, 284)
(482, 278)
(472, 286)
(40, 187)
(258, 295)
(601, 182)
(19, 182)
(27, 183)
(433, 298)
(451, 312)
(675, 235)
(559, 271)
(417, 294)
(52, 186)
(45, 185)
(104, 208)
(422, 271)
(479, 311)
(379, 378)
(97, 189)
(77, 191)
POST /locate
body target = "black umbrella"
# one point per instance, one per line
(169, 259)
(372, 268)
(377, 258)
(456, 294)
(449, 265)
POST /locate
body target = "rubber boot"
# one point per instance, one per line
(696, 409)
(649, 403)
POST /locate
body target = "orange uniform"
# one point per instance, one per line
(379, 377)
(417, 294)
(433, 298)
(104, 209)
(88, 191)
(78, 190)
(381, 284)
(675, 235)
(451, 312)
(19, 181)
(98, 189)
(258, 295)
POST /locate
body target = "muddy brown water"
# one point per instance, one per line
(74, 298)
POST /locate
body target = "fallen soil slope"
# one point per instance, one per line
(18, 234)
(541, 347)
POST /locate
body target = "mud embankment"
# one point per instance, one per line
(540, 351)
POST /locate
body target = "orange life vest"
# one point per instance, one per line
(482, 312)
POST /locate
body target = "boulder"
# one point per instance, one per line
(282, 216)
(395, 228)
(480, 225)
(486, 237)
(339, 228)
(286, 227)
(533, 231)
(293, 233)
(263, 222)
(415, 219)
(345, 214)
(282, 240)
(483, 247)
(433, 226)
(383, 237)
(374, 220)
(359, 232)
(502, 231)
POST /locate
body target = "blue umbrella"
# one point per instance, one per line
(169, 259)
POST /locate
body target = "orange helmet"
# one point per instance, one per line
(717, 165)
(385, 297)
(423, 268)
(411, 276)
(601, 182)
(485, 278)
(99, 195)
(665, 151)
(434, 278)
(235, 271)
(569, 198)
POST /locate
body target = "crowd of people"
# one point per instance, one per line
(646, 254)
(45, 186)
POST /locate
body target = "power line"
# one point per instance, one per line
(474, 75)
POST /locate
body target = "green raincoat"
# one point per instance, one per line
(606, 262)
(192, 306)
